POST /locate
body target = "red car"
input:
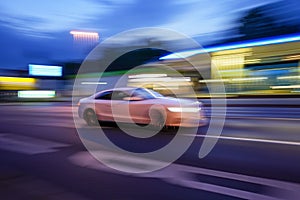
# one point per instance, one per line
(141, 106)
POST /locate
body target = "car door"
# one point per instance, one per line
(127, 109)
(119, 106)
(139, 107)
(139, 110)
(103, 106)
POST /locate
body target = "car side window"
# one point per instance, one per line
(112, 95)
(140, 93)
(104, 96)
(119, 95)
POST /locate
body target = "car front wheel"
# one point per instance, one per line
(91, 117)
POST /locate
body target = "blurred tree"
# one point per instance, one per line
(263, 21)
(135, 58)
(255, 24)
(139, 51)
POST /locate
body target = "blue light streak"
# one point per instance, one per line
(237, 45)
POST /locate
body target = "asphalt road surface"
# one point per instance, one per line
(257, 156)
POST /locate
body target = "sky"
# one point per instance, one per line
(35, 31)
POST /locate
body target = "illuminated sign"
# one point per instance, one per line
(36, 94)
(16, 83)
(45, 70)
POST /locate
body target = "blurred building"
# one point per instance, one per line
(268, 66)
(36, 79)
(259, 67)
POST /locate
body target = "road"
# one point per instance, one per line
(257, 156)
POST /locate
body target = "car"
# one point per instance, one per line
(141, 106)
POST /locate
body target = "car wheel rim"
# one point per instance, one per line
(91, 118)
(160, 121)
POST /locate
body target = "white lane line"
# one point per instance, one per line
(240, 177)
(226, 191)
(247, 139)
(186, 176)
(257, 118)
(28, 145)
(276, 189)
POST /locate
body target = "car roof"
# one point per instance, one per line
(124, 88)
(120, 88)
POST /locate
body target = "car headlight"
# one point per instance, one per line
(184, 109)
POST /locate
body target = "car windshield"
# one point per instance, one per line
(145, 93)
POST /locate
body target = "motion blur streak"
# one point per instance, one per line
(16, 83)
(251, 47)
(251, 139)
(36, 94)
(260, 42)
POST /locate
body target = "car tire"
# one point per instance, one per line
(159, 120)
(91, 118)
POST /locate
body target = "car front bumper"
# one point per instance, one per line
(186, 119)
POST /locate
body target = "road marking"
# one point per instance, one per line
(256, 118)
(247, 139)
(226, 191)
(185, 176)
(28, 145)
(241, 177)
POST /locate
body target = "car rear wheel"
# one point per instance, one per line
(91, 117)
